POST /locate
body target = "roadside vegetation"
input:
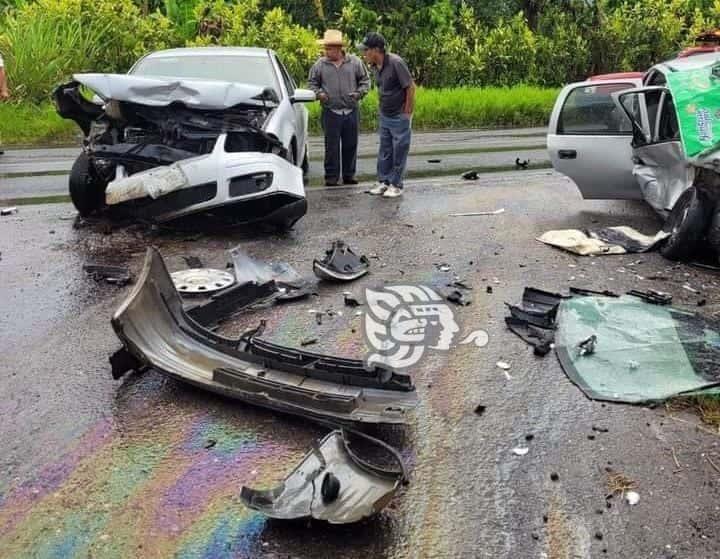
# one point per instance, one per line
(452, 46)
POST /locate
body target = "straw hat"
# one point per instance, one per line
(332, 38)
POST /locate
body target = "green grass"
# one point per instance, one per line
(436, 109)
(35, 125)
(465, 107)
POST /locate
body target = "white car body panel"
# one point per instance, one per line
(219, 167)
(600, 164)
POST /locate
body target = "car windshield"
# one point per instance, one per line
(251, 70)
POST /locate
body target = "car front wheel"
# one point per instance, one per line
(687, 223)
(87, 191)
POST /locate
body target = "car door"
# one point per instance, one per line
(300, 112)
(589, 139)
(661, 168)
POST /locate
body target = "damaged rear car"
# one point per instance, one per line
(216, 130)
(650, 137)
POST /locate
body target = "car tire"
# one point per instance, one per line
(305, 163)
(87, 192)
(713, 233)
(687, 224)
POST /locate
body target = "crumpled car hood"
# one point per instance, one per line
(161, 92)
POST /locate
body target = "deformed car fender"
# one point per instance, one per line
(156, 332)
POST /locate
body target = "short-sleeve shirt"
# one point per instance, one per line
(392, 80)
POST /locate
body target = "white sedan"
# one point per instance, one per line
(214, 129)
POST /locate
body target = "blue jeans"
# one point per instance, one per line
(395, 135)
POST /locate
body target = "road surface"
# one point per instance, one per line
(93, 467)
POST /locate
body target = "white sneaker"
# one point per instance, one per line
(378, 189)
(393, 192)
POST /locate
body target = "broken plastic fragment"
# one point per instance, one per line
(520, 451)
(503, 365)
(587, 346)
(341, 264)
(632, 498)
(331, 483)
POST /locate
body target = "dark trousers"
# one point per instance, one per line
(341, 135)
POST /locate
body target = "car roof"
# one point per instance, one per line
(616, 76)
(214, 51)
(688, 63)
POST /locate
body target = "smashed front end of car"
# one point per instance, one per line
(163, 148)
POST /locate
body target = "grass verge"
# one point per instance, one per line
(22, 124)
(436, 109)
(464, 107)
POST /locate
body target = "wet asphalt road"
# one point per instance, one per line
(93, 467)
(43, 172)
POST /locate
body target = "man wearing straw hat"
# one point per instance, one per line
(339, 80)
(4, 93)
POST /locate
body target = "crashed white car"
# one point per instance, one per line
(219, 130)
(617, 137)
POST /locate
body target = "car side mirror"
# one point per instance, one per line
(303, 96)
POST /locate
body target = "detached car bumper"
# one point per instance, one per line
(247, 185)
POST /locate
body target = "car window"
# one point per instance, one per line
(590, 110)
(657, 78)
(289, 83)
(668, 128)
(251, 70)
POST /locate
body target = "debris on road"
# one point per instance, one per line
(308, 341)
(194, 281)
(520, 451)
(505, 366)
(479, 409)
(341, 264)
(534, 319)
(458, 297)
(156, 331)
(350, 300)
(228, 302)
(331, 483)
(471, 175)
(434, 160)
(611, 240)
(290, 284)
(114, 275)
(471, 214)
(521, 164)
(652, 296)
(587, 346)
(8, 211)
(648, 353)
(632, 498)
(193, 262)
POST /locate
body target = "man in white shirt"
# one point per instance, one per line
(4, 93)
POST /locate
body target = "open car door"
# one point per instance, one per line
(589, 139)
(661, 168)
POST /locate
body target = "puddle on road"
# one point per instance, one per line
(159, 478)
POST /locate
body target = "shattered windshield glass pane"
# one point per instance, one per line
(643, 352)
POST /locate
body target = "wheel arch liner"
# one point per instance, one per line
(361, 489)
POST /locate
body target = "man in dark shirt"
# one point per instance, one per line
(339, 80)
(397, 102)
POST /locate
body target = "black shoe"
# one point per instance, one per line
(330, 182)
(350, 180)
